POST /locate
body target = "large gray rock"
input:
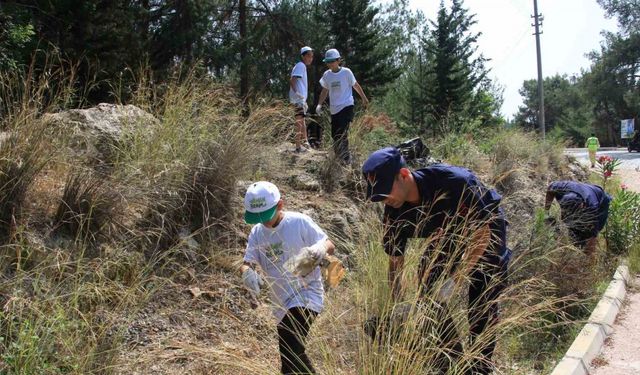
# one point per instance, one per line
(577, 171)
(93, 132)
(304, 181)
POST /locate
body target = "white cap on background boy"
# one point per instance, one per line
(305, 49)
(261, 202)
(331, 55)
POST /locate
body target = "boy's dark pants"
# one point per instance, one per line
(292, 335)
(340, 133)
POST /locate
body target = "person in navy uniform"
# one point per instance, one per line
(584, 208)
(450, 204)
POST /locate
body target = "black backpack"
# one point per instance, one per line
(413, 149)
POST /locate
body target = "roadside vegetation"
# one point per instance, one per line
(87, 249)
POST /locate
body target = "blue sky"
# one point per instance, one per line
(571, 28)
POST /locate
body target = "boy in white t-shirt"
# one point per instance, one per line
(338, 82)
(277, 237)
(298, 88)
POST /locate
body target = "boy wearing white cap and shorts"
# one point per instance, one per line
(297, 294)
(339, 82)
(298, 88)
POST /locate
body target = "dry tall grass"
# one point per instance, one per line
(63, 312)
(175, 180)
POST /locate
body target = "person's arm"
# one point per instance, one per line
(597, 143)
(548, 199)
(358, 88)
(395, 243)
(331, 248)
(245, 266)
(480, 241)
(323, 96)
(312, 233)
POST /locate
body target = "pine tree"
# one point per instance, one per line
(456, 74)
(355, 32)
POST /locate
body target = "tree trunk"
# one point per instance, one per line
(244, 73)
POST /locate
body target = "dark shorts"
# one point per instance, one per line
(580, 238)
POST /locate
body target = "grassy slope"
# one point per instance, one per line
(133, 294)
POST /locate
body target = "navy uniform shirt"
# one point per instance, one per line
(584, 207)
(447, 194)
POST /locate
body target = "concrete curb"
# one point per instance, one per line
(589, 342)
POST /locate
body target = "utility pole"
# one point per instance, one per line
(537, 23)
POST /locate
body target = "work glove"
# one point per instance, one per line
(548, 219)
(318, 251)
(252, 281)
(307, 259)
(318, 109)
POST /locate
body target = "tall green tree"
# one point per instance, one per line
(356, 31)
(567, 109)
(406, 101)
(613, 84)
(626, 11)
(457, 73)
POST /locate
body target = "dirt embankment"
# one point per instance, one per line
(205, 324)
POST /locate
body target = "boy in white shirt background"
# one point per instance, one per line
(298, 89)
(338, 83)
(297, 295)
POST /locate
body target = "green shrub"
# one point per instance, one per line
(459, 149)
(634, 258)
(623, 224)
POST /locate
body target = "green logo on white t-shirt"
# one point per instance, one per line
(275, 250)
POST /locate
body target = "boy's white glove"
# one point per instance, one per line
(252, 281)
(446, 290)
(299, 96)
(318, 251)
(318, 109)
(307, 259)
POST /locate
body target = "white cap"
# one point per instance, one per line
(305, 49)
(260, 202)
(331, 55)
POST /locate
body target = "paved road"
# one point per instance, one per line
(630, 160)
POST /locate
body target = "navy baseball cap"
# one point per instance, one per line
(380, 171)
